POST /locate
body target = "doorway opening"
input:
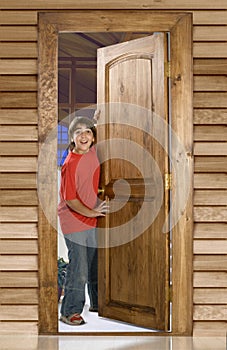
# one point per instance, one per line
(77, 95)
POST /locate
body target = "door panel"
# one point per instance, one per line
(134, 252)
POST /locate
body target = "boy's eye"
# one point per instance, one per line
(81, 131)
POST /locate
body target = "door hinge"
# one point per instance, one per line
(168, 69)
(168, 181)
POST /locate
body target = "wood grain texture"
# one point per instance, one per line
(210, 149)
(19, 279)
(18, 17)
(210, 164)
(210, 296)
(210, 83)
(210, 214)
(209, 50)
(210, 279)
(19, 312)
(19, 132)
(20, 328)
(214, 181)
(210, 116)
(18, 99)
(19, 247)
(19, 69)
(210, 312)
(23, 151)
(19, 296)
(18, 50)
(214, 197)
(18, 33)
(18, 181)
(210, 99)
(19, 263)
(19, 116)
(210, 133)
(210, 231)
(18, 66)
(209, 65)
(209, 329)
(19, 214)
(18, 230)
(204, 33)
(210, 247)
(115, 4)
(14, 164)
(209, 17)
(210, 262)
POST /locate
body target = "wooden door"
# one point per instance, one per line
(132, 146)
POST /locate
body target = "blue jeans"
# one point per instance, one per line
(82, 269)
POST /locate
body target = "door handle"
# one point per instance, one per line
(101, 190)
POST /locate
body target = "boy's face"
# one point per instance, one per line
(83, 138)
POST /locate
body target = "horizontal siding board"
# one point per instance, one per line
(18, 50)
(207, 197)
(210, 83)
(209, 50)
(210, 116)
(18, 83)
(204, 33)
(209, 65)
(18, 66)
(209, 329)
(210, 133)
(210, 279)
(18, 17)
(210, 99)
(210, 262)
(18, 197)
(26, 279)
(210, 214)
(18, 263)
(210, 296)
(210, 164)
(19, 132)
(19, 328)
(19, 214)
(211, 247)
(210, 312)
(210, 231)
(18, 99)
(19, 312)
(114, 4)
(212, 181)
(209, 17)
(19, 296)
(210, 148)
(18, 181)
(18, 33)
(18, 230)
(23, 149)
(19, 116)
(16, 164)
(19, 247)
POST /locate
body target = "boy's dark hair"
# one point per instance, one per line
(73, 126)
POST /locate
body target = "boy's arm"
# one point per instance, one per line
(78, 206)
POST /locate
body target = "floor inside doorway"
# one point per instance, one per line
(95, 323)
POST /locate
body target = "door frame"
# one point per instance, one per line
(179, 25)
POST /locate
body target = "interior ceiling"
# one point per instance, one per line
(85, 44)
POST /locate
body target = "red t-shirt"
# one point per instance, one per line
(79, 180)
